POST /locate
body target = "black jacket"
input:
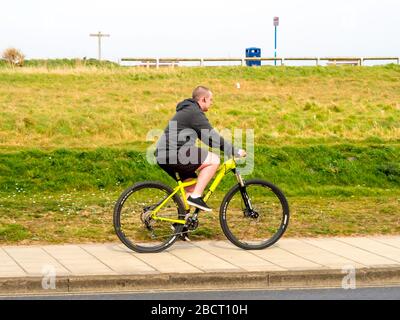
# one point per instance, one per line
(188, 124)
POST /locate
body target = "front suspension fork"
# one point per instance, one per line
(243, 192)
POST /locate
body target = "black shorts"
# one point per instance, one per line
(185, 171)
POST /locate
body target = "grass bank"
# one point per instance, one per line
(338, 170)
(87, 217)
(73, 136)
(68, 195)
(89, 108)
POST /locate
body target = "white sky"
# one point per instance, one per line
(208, 28)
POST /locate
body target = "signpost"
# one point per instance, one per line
(99, 35)
(276, 24)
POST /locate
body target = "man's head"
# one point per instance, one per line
(203, 96)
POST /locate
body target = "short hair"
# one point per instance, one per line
(200, 92)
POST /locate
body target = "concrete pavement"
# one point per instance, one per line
(300, 262)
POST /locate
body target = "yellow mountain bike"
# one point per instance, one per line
(150, 216)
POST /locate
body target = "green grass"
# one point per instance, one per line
(68, 195)
(73, 136)
(13, 232)
(55, 217)
(309, 170)
(85, 108)
(62, 63)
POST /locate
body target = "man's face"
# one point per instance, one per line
(206, 102)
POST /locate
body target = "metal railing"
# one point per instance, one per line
(159, 62)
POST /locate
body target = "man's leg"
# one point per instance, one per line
(189, 190)
(207, 172)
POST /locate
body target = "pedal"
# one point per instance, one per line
(184, 235)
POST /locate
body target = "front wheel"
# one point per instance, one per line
(254, 216)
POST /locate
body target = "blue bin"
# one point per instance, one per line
(251, 53)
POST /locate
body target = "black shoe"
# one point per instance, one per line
(198, 203)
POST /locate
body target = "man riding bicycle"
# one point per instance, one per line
(176, 150)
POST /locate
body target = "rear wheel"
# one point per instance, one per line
(255, 216)
(133, 222)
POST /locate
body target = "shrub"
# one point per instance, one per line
(14, 57)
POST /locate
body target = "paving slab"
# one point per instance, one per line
(286, 260)
(119, 260)
(316, 254)
(8, 267)
(166, 262)
(78, 261)
(243, 259)
(11, 271)
(201, 259)
(393, 241)
(375, 247)
(350, 252)
(35, 261)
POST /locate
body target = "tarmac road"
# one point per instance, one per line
(375, 293)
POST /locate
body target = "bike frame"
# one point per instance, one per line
(223, 169)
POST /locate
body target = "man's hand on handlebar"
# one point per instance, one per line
(242, 153)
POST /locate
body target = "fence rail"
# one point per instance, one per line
(158, 62)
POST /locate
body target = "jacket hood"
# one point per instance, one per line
(187, 103)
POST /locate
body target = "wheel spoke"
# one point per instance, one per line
(133, 219)
(259, 226)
